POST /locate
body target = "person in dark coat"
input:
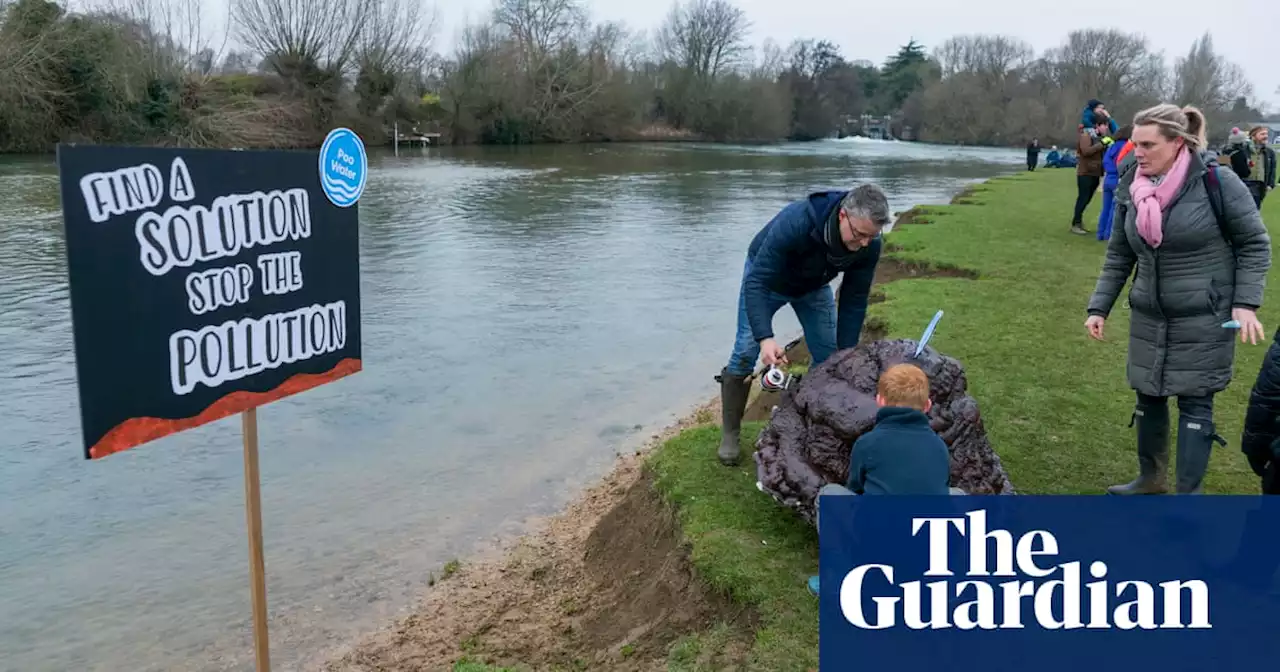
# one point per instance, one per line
(1194, 274)
(793, 260)
(1033, 153)
(1255, 162)
(1260, 440)
(1091, 145)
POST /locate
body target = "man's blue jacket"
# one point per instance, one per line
(791, 256)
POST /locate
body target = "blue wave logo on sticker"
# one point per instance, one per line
(344, 166)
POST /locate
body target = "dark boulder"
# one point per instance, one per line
(806, 443)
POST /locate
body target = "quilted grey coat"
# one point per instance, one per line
(1185, 290)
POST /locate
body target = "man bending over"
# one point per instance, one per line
(793, 260)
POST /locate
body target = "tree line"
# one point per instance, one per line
(145, 71)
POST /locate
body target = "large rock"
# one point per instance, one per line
(806, 443)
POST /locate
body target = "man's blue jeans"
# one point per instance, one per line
(815, 310)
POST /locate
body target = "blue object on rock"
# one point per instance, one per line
(928, 333)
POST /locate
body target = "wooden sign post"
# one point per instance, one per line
(253, 515)
(206, 283)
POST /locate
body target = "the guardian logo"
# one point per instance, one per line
(1053, 595)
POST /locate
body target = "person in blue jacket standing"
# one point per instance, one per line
(793, 260)
(1111, 177)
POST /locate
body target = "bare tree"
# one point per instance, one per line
(608, 45)
(177, 32)
(1208, 80)
(558, 61)
(991, 57)
(472, 83)
(29, 67)
(541, 27)
(237, 62)
(1101, 64)
(705, 37)
(302, 33)
(772, 61)
(396, 33)
(638, 52)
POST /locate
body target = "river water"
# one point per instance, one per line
(527, 313)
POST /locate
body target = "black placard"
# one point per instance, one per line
(203, 283)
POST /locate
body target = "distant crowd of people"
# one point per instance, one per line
(1102, 145)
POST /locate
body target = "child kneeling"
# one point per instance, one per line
(901, 455)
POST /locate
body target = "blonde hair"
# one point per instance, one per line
(904, 385)
(1176, 122)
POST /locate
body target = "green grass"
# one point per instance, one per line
(702, 652)
(1055, 403)
(450, 568)
(466, 665)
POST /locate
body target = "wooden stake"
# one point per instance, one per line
(253, 514)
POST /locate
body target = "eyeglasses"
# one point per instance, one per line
(863, 236)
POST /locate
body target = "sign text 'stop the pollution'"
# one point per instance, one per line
(203, 283)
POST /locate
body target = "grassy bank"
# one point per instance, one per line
(1055, 403)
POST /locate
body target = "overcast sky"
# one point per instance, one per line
(1241, 29)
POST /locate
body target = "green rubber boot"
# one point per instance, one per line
(1153, 452)
(1195, 444)
(733, 404)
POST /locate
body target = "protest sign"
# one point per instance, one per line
(1049, 583)
(205, 283)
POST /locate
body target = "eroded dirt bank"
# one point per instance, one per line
(606, 584)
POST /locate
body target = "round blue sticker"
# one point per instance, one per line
(343, 167)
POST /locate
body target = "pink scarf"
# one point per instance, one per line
(1151, 200)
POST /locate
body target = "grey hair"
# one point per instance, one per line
(867, 202)
(1175, 122)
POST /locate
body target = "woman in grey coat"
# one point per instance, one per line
(1195, 273)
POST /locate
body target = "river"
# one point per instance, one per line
(527, 313)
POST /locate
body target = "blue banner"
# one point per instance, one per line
(1048, 583)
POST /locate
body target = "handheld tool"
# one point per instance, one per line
(775, 379)
(928, 333)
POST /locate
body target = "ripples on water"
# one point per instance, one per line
(524, 309)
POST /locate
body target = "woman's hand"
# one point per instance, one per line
(1250, 327)
(1094, 324)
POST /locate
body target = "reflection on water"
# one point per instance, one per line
(527, 312)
